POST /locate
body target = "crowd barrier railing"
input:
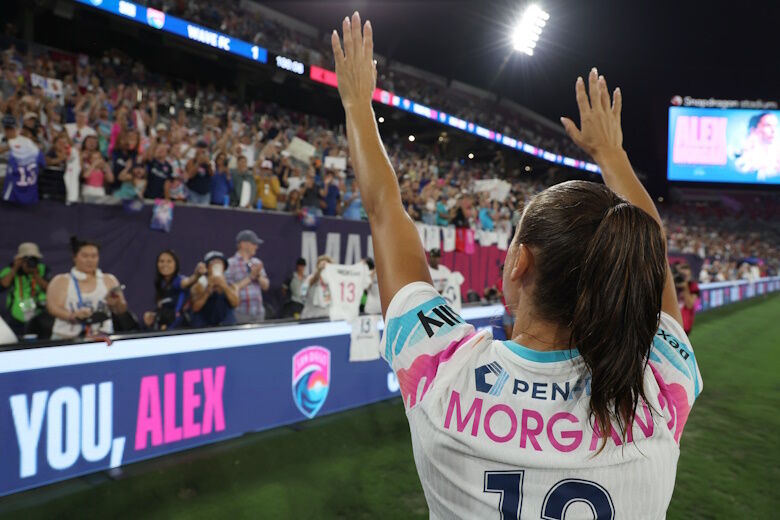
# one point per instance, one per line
(718, 294)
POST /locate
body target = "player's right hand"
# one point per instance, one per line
(355, 65)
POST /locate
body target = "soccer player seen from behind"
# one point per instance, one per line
(580, 414)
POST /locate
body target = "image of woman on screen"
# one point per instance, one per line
(761, 149)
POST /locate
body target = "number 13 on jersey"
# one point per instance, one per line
(347, 292)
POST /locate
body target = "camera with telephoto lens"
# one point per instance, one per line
(31, 262)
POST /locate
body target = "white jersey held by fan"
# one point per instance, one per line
(346, 284)
(501, 431)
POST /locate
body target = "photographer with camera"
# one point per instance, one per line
(687, 293)
(26, 279)
(86, 301)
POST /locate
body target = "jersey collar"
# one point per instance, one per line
(547, 356)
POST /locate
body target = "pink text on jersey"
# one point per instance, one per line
(563, 431)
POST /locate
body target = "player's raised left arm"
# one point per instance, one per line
(399, 254)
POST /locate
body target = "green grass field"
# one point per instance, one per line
(359, 464)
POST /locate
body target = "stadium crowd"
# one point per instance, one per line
(119, 134)
(243, 20)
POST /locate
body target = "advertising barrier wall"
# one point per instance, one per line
(723, 293)
(74, 409)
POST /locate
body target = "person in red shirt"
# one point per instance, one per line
(687, 294)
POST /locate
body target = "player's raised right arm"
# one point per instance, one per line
(399, 254)
(601, 136)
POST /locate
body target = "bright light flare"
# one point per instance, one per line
(528, 31)
(411, 138)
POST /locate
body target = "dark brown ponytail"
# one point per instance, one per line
(600, 270)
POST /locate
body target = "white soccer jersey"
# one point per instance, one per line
(501, 431)
(346, 284)
(364, 338)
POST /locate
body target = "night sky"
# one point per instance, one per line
(651, 49)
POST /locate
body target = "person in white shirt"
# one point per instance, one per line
(439, 273)
(317, 301)
(580, 414)
(446, 282)
(79, 130)
(83, 300)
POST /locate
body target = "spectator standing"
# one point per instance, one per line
(317, 301)
(80, 130)
(171, 292)
(442, 211)
(293, 204)
(25, 161)
(311, 197)
(244, 186)
(83, 300)
(26, 280)
(247, 273)
(126, 153)
(213, 299)
(133, 182)
(330, 194)
(51, 183)
(486, 215)
(352, 205)
(96, 175)
(221, 185)
(268, 188)
(439, 273)
(293, 291)
(199, 174)
(159, 172)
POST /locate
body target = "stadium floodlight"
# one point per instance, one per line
(528, 31)
(411, 138)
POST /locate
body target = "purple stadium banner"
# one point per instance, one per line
(129, 247)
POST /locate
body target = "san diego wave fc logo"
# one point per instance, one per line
(498, 375)
(155, 18)
(310, 379)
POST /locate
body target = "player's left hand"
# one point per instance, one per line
(600, 129)
(355, 65)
